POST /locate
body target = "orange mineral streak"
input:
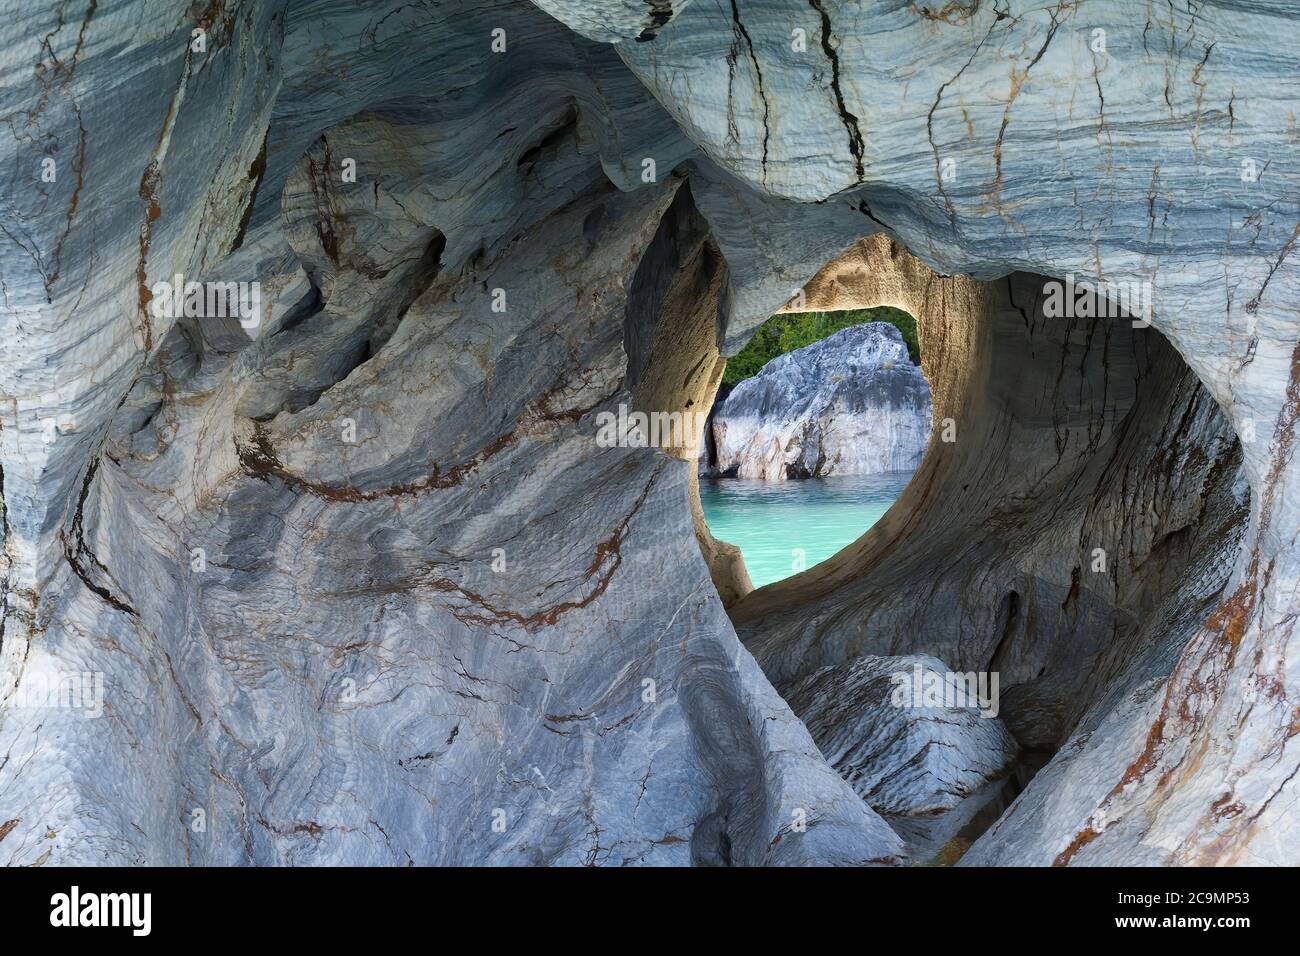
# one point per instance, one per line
(1228, 621)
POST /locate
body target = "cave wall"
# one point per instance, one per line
(1006, 141)
(349, 679)
(1054, 437)
(362, 587)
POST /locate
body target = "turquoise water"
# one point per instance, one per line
(772, 521)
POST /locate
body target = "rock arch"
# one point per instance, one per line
(349, 658)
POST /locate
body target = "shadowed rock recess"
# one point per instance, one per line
(359, 584)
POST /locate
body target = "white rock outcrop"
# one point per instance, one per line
(851, 404)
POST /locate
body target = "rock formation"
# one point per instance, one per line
(928, 765)
(357, 584)
(851, 404)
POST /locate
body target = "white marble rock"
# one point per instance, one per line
(851, 404)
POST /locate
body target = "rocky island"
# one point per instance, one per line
(851, 404)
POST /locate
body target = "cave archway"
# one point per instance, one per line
(1074, 521)
(1083, 479)
(415, 566)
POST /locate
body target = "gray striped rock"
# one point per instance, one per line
(366, 589)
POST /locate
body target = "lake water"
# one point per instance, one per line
(771, 521)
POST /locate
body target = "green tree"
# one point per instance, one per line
(794, 330)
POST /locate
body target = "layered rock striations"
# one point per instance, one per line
(922, 745)
(1080, 526)
(358, 584)
(851, 404)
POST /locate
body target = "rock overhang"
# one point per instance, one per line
(792, 155)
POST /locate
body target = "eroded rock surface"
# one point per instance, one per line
(851, 404)
(363, 588)
(923, 746)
